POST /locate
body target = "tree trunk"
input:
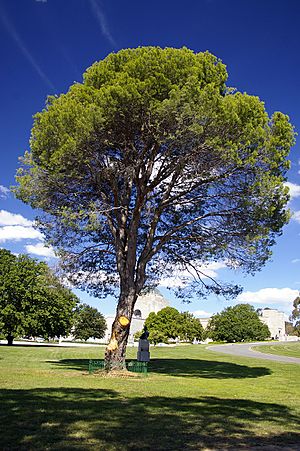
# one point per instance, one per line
(10, 340)
(116, 350)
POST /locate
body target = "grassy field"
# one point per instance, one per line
(193, 399)
(291, 349)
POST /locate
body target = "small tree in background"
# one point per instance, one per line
(289, 328)
(89, 323)
(32, 299)
(169, 323)
(238, 323)
(18, 277)
(295, 316)
(53, 309)
(157, 336)
(191, 328)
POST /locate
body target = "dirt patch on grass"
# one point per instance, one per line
(124, 374)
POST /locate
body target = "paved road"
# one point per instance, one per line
(245, 350)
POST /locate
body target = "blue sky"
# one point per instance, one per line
(46, 45)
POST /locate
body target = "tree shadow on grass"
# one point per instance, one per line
(209, 369)
(71, 364)
(186, 367)
(84, 419)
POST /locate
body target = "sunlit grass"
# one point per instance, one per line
(290, 349)
(192, 399)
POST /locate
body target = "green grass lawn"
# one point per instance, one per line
(193, 399)
(290, 349)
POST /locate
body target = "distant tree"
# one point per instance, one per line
(289, 328)
(32, 299)
(53, 308)
(137, 335)
(238, 323)
(88, 323)
(17, 281)
(191, 328)
(153, 163)
(295, 316)
(169, 323)
(157, 336)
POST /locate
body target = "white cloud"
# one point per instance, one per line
(202, 314)
(211, 269)
(182, 278)
(4, 191)
(269, 296)
(296, 215)
(18, 232)
(296, 260)
(294, 189)
(40, 249)
(13, 219)
(14, 227)
(172, 282)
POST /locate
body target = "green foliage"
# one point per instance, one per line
(157, 336)
(53, 308)
(88, 323)
(153, 162)
(191, 328)
(295, 316)
(238, 323)
(18, 286)
(289, 328)
(169, 323)
(32, 300)
(137, 335)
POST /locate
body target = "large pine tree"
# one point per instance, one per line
(154, 164)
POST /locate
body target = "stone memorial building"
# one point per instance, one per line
(275, 320)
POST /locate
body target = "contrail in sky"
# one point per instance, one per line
(101, 19)
(15, 36)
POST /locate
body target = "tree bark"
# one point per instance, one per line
(115, 353)
(10, 340)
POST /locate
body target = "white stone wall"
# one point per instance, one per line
(153, 301)
(204, 322)
(275, 320)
